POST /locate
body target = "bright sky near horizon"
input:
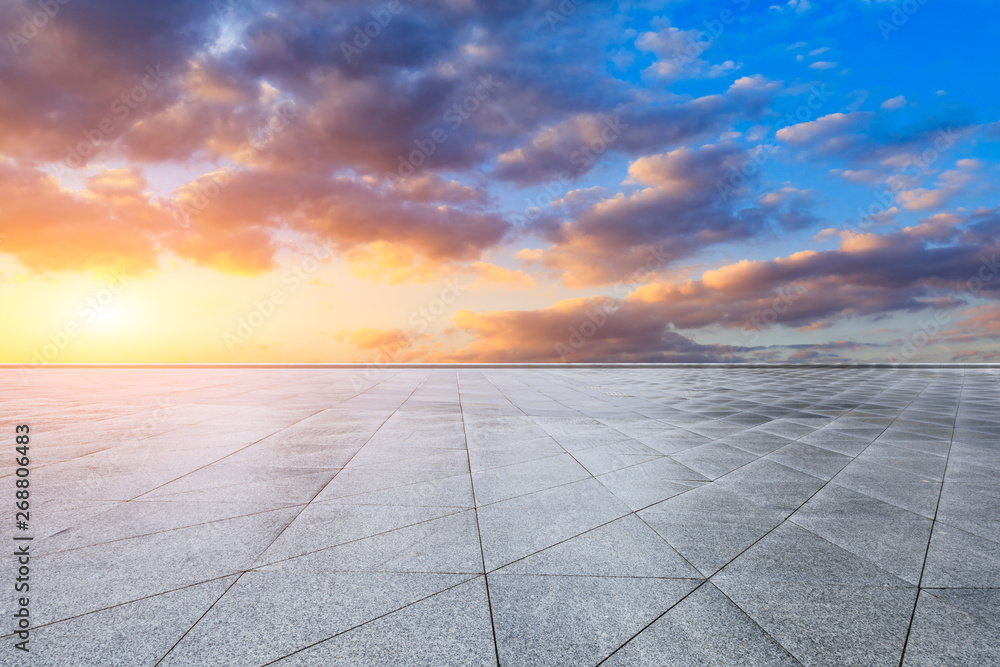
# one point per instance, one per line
(527, 180)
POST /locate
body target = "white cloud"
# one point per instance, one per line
(897, 102)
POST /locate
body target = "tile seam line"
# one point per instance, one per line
(635, 512)
(827, 483)
(710, 577)
(930, 534)
(710, 440)
(128, 602)
(152, 435)
(212, 606)
(905, 583)
(337, 473)
(631, 511)
(458, 511)
(372, 620)
(475, 507)
(787, 518)
(283, 428)
(119, 503)
(160, 532)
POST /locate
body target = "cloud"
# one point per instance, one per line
(950, 184)
(384, 228)
(866, 139)
(979, 323)
(894, 103)
(574, 146)
(676, 211)
(452, 87)
(678, 53)
(868, 276)
(492, 273)
(391, 345)
(579, 330)
(829, 131)
(113, 221)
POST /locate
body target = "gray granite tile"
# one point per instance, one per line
(623, 548)
(353, 481)
(451, 491)
(647, 483)
(771, 485)
(516, 528)
(957, 559)
(915, 493)
(888, 536)
(393, 573)
(705, 628)
(714, 459)
(955, 628)
(498, 455)
(450, 628)
(709, 525)
(608, 458)
(828, 624)
(925, 464)
(560, 620)
(327, 524)
(815, 461)
(792, 554)
(447, 545)
(974, 507)
(244, 484)
(673, 440)
(272, 612)
(518, 479)
(138, 633)
(148, 565)
(127, 520)
(758, 443)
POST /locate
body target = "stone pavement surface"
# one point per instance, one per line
(558, 516)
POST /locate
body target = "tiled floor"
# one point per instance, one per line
(679, 516)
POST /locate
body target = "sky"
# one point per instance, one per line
(510, 181)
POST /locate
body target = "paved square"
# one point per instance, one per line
(520, 516)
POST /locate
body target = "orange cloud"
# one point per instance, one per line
(112, 222)
(492, 273)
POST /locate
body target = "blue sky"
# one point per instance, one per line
(567, 163)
